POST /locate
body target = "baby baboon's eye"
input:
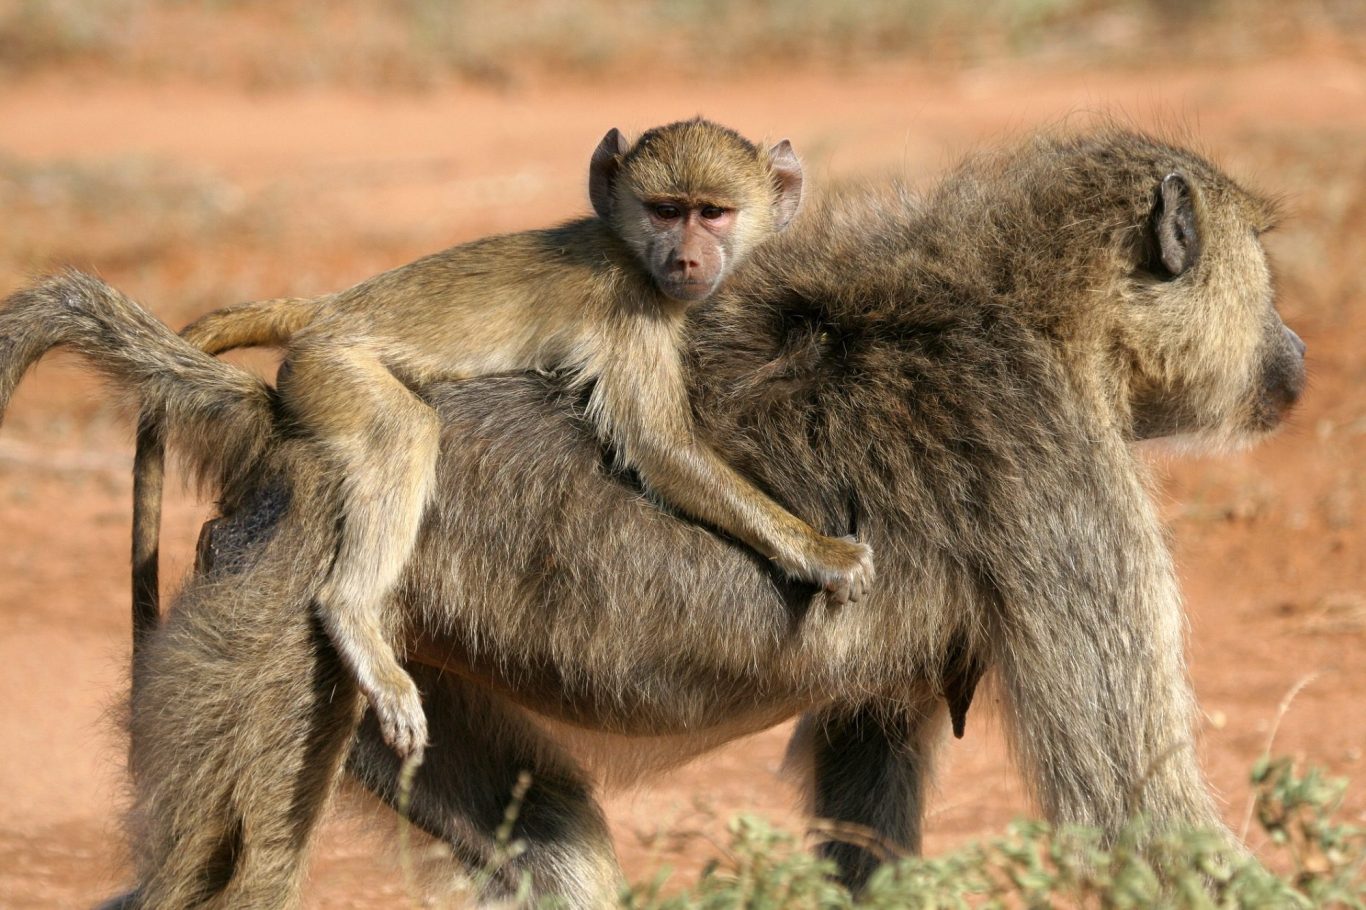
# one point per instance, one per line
(666, 211)
(712, 212)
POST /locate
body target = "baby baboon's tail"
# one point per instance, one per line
(262, 323)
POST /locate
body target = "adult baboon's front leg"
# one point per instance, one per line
(868, 768)
(1098, 702)
(462, 792)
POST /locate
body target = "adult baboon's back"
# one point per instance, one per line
(957, 378)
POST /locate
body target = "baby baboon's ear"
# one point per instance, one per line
(602, 170)
(1173, 223)
(787, 176)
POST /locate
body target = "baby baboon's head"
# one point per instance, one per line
(693, 199)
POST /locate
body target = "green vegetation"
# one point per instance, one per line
(1318, 862)
(1307, 859)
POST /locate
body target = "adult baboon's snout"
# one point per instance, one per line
(1283, 378)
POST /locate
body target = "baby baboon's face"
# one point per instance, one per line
(692, 199)
(1211, 360)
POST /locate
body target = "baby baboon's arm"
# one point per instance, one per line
(641, 404)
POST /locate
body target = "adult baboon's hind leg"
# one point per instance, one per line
(480, 747)
(228, 801)
(868, 770)
(241, 716)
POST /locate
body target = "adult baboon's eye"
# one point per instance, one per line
(666, 211)
(712, 212)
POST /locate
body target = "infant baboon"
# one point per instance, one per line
(603, 297)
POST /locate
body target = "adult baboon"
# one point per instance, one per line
(995, 348)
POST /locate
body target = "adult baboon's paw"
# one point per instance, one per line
(402, 722)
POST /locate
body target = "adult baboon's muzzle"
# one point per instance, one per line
(1282, 379)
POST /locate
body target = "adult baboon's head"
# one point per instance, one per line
(1145, 261)
(1208, 357)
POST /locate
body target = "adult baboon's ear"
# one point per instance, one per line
(787, 176)
(602, 171)
(1178, 241)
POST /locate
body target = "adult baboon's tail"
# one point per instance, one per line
(218, 415)
(262, 323)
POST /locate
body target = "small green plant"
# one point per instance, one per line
(1036, 865)
(1328, 857)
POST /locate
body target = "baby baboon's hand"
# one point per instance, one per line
(402, 722)
(843, 567)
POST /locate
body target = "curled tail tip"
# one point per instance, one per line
(73, 280)
(26, 325)
(64, 284)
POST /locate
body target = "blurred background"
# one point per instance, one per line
(198, 153)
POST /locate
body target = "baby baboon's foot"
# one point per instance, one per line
(402, 722)
(841, 566)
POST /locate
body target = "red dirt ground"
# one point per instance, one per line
(307, 190)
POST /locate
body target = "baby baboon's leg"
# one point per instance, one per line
(384, 440)
(480, 746)
(868, 769)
